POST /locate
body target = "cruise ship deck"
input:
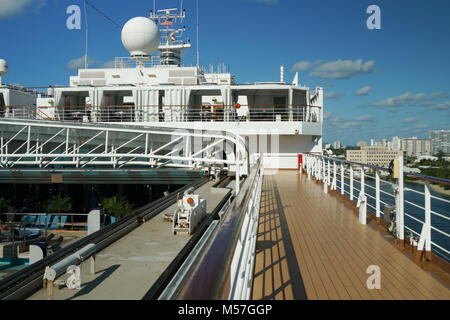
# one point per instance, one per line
(311, 246)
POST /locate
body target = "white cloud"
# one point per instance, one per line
(442, 107)
(364, 91)
(79, 63)
(303, 66)
(11, 8)
(333, 95)
(367, 117)
(350, 124)
(418, 128)
(410, 120)
(342, 69)
(408, 98)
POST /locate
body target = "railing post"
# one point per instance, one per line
(400, 214)
(342, 179)
(324, 177)
(334, 185)
(329, 173)
(351, 183)
(425, 236)
(377, 196)
(308, 164)
(362, 200)
(428, 220)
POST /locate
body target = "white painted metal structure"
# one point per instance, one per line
(51, 145)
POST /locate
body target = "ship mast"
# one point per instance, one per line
(171, 36)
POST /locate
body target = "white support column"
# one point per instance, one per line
(342, 179)
(67, 140)
(324, 172)
(334, 185)
(188, 147)
(146, 144)
(29, 139)
(106, 142)
(351, 182)
(363, 186)
(329, 173)
(362, 200)
(428, 218)
(377, 195)
(1, 147)
(401, 204)
(425, 236)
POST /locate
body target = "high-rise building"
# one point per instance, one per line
(396, 143)
(361, 144)
(337, 145)
(414, 147)
(440, 141)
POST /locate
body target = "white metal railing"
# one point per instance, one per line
(225, 268)
(424, 216)
(180, 113)
(244, 255)
(127, 62)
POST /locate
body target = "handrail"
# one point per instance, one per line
(334, 176)
(212, 276)
(370, 166)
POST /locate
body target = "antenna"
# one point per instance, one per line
(198, 53)
(87, 35)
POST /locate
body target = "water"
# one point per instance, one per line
(438, 206)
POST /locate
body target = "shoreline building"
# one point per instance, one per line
(440, 141)
(414, 147)
(361, 144)
(374, 155)
(337, 145)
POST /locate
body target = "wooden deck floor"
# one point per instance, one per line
(311, 246)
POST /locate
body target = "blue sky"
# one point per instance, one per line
(378, 83)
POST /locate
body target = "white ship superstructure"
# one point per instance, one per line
(151, 87)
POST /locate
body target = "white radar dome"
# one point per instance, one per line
(141, 36)
(3, 67)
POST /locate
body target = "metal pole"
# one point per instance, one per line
(334, 187)
(427, 220)
(363, 182)
(342, 179)
(401, 217)
(329, 173)
(377, 194)
(351, 182)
